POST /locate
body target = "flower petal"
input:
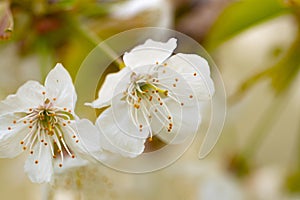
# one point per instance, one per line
(114, 139)
(126, 120)
(69, 163)
(181, 104)
(59, 85)
(149, 53)
(10, 139)
(38, 165)
(196, 72)
(87, 135)
(109, 89)
(28, 96)
(186, 121)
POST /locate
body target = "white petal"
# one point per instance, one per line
(186, 121)
(181, 104)
(195, 70)
(149, 53)
(10, 139)
(28, 96)
(114, 139)
(59, 85)
(123, 114)
(41, 172)
(113, 85)
(87, 135)
(176, 85)
(69, 163)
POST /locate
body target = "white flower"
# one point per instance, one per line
(41, 120)
(155, 93)
(161, 11)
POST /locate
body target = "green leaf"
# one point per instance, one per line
(240, 16)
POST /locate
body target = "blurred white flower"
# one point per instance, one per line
(220, 187)
(41, 119)
(266, 183)
(131, 8)
(155, 93)
(200, 180)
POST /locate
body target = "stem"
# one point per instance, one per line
(94, 39)
(45, 59)
(298, 143)
(261, 130)
(248, 84)
(78, 185)
(48, 192)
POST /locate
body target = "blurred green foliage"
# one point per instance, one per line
(240, 16)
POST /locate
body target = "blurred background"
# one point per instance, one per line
(255, 44)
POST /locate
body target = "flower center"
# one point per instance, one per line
(146, 97)
(47, 124)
